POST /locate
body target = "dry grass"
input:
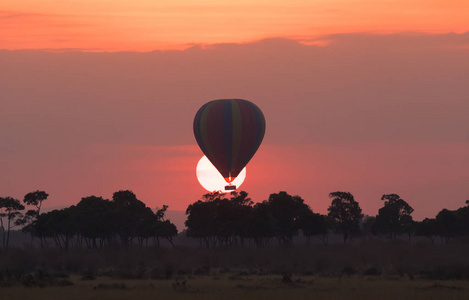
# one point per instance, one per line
(319, 272)
(389, 258)
(235, 286)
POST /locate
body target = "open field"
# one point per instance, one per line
(236, 286)
(365, 270)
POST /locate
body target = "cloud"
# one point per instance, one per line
(20, 19)
(376, 88)
(8, 15)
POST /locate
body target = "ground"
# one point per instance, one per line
(238, 285)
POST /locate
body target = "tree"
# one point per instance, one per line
(214, 219)
(128, 214)
(10, 210)
(366, 226)
(448, 224)
(428, 228)
(394, 217)
(96, 220)
(453, 223)
(201, 221)
(160, 229)
(62, 226)
(241, 208)
(344, 214)
(313, 225)
(35, 198)
(286, 211)
(214, 196)
(160, 212)
(261, 224)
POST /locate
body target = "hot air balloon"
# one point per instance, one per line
(229, 132)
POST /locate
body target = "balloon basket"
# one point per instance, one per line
(230, 187)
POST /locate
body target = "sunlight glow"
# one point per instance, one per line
(211, 180)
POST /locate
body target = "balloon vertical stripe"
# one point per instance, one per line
(228, 134)
(237, 127)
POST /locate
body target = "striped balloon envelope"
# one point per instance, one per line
(229, 132)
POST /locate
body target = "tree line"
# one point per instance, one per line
(93, 223)
(222, 219)
(219, 219)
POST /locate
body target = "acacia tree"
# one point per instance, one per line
(453, 223)
(129, 213)
(35, 198)
(344, 214)
(261, 224)
(286, 211)
(96, 221)
(201, 221)
(394, 217)
(9, 211)
(62, 226)
(428, 228)
(313, 225)
(241, 207)
(215, 219)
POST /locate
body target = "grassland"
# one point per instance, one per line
(236, 286)
(365, 270)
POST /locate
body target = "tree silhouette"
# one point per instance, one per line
(428, 228)
(62, 225)
(452, 223)
(394, 217)
(345, 214)
(217, 220)
(366, 226)
(286, 211)
(448, 224)
(262, 223)
(463, 216)
(313, 225)
(9, 210)
(96, 222)
(129, 212)
(161, 228)
(241, 208)
(35, 198)
(201, 221)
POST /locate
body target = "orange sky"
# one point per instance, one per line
(145, 25)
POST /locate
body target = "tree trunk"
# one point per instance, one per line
(8, 234)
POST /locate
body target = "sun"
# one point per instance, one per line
(211, 180)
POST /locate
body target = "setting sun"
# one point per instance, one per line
(211, 179)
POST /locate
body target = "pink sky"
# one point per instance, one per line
(370, 99)
(369, 114)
